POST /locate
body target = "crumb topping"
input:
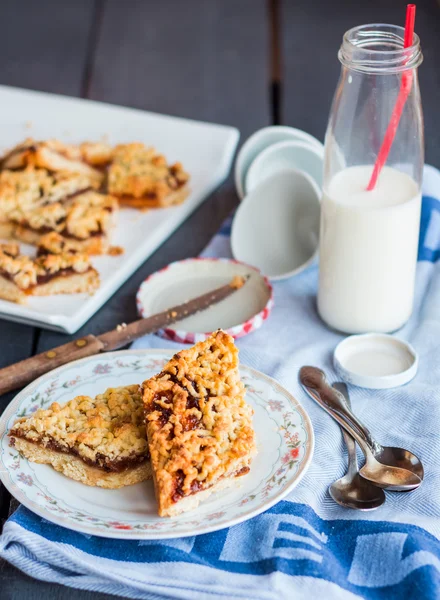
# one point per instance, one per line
(68, 150)
(24, 191)
(140, 171)
(28, 272)
(96, 153)
(13, 158)
(52, 155)
(21, 190)
(199, 426)
(54, 243)
(18, 268)
(10, 249)
(86, 214)
(49, 216)
(103, 431)
(50, 264)
(90, 213)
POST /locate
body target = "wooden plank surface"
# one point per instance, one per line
(197, 59)
(44, 45)
(310, 39)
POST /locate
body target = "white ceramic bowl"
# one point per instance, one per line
(276, 227)
(283, 156)
(259, 141)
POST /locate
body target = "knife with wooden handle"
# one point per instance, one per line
(25, 371)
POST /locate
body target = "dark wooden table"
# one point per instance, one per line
(247, 63)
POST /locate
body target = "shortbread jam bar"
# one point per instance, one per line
(199, 426)
(88, 217)
(34, 202)
(22, 276)
(24, 191)
(98, 441)
(141, 178)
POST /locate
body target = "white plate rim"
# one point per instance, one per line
(153, 535)
(237, 331)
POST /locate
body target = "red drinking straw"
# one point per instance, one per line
(405, 88)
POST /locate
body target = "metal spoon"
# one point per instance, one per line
(352, 490)
(393, 469)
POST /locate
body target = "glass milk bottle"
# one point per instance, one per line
(369, 239)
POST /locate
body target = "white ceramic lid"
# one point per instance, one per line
(261, 139)
(291, 154)
(276, 227)
(375, 360)
(238, 314)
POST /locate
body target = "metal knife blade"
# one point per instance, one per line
(123, 335)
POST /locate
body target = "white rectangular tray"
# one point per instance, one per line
(206, 151)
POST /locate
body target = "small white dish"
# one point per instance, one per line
(283, 156)
(284, 436)
(276, 227)
(375, 360)
(240, 313)
(259, 141)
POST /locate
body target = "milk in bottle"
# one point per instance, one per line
(368, 250)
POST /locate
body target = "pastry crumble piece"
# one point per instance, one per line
(97, 154)
(199, 427)
(55, 156)
(63, 273)
(98, 441)
(87, 218)
(115, 251)
(141, 178)
(32, 193)
(54, 243)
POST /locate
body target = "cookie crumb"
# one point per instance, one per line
(237, 282)
(115, 251)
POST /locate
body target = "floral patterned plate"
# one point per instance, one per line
(284, 438)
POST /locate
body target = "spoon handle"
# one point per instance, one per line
(315, 383)
(350, 444)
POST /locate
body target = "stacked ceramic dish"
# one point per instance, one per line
(278, 176)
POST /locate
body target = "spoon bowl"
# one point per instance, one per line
(394, 467)
(357, 493)
(404, 459)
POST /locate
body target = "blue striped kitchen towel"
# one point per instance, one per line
(306, 546)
